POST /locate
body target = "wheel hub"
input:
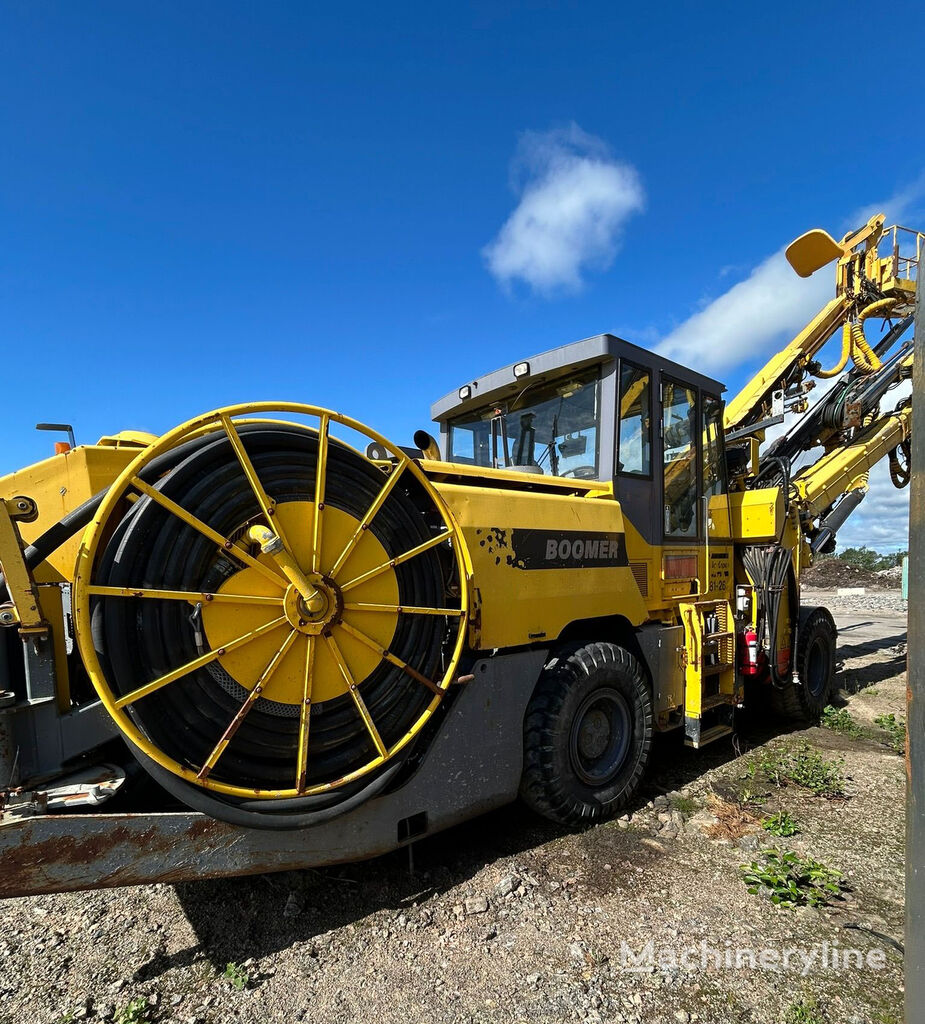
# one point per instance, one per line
(600, 736)
(594, 734)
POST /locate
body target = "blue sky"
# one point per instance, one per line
(215, 202)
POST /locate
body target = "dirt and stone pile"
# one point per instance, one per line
(830, 573)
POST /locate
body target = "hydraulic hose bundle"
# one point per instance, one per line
(771, 572)
(901, 464)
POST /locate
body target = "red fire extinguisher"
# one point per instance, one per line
(750, 653)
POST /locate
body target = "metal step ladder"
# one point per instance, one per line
(712, 685)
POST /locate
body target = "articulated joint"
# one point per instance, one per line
(271, 544)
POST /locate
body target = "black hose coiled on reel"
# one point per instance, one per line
(139, 640)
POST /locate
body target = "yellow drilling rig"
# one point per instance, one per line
(271, 638)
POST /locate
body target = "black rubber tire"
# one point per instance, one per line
(555, 783)
(805, 698)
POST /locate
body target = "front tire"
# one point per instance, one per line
(587, 735)
(805, 698)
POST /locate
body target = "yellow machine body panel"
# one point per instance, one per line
(540, 562)
(757, 515)
(60, 484)
(486, 476)
(668, 574)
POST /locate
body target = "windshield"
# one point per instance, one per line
(546, 428)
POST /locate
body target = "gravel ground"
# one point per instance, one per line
(507, 919)
(879, 602)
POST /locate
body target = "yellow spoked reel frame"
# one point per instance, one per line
(307, 617)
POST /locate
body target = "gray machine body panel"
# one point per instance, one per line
(662, 650)
(36, 740)
(473, 765)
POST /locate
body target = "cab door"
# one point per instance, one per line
(695, 504)
(716, 497)
(680, 458)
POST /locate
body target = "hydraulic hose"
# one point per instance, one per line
(855, 345)
(900, 464)
(770, 569)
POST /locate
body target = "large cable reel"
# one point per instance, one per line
(274, 619)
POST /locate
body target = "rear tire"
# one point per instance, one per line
(587, 735)
(806, 697)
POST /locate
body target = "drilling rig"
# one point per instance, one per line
(272, 638)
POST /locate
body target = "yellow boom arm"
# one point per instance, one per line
(867, 285)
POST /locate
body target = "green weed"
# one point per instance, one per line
(236, 976)
(804, 1011)
(780, 824)
(802, 766)
(791, 880)
(895, 729)
(136, 1011)
(840, 720)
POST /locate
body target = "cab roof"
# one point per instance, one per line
(557, 362)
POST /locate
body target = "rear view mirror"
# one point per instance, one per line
(573, 445)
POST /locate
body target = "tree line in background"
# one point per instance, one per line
(869, 559)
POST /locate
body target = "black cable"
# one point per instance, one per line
(900, 468)
(285, 818)
(770, 569)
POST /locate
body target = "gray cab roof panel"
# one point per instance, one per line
(601, 348)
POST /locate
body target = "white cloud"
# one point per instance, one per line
(754, 317)
(751, 319)
(574, 200)
(905, 203)
(881, 521)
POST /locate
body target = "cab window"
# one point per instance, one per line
(549, 427)
(635, 457)
(679, 455)
(714, 467)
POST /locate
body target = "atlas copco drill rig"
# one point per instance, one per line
(272, 639)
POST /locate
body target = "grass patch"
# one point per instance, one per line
(804, 1011)
(136, 1011)
(236, 976)
(839, 720)
(790, 880)
(780, 824)
(895, 728)
(801, 766)
(871, 691)
(685, 805)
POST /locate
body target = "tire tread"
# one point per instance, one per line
(542, 787)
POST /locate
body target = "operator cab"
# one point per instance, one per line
(599, 409)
